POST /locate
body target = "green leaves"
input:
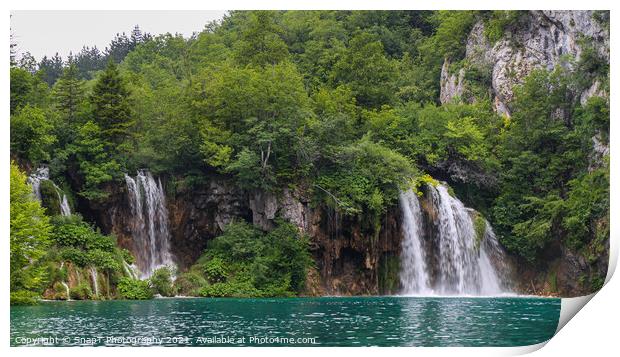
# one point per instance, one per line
(367, 71)
(245, 262)
(31, 134)
(366, 177)
(260, 43)
(111, 108)
(30, 234)
(132, 289)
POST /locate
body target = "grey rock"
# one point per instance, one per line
(544, 40)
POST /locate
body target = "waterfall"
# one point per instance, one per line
(93, 276)
(149, 223)
(130, 270)
(62, 264)
(67, 290)
(65, 209)
(43, 174)
(414, 275)
(448, 260)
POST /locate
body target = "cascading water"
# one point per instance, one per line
(414, 274)
(62, 264)
(449, 261)
(65, 209)
(67, 290)
(43, 174)
(151, 237)
(130, 270)
(93, 276)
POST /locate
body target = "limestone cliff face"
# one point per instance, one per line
(351, 257)
(542, 39)
(200, 214)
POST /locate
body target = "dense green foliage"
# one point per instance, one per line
(161, 282)
(30, 235)
(246, 262)
(132, 289)
(342, 105)
(553, 154)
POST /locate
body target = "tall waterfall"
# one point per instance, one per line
(446, 259)
(149, 226)
(414, 273)
(43, 174)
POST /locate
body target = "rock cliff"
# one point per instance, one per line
(540, 39)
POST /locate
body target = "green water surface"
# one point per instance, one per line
(327, 321)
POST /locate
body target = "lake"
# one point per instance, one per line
(325, 321)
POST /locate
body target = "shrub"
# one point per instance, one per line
(71, 232)
(99, 241)
(161, 282)
(23, 297)
(230, 289)
(49, 198)
(189, 283)
(215, 270)
(81, 292)
(76, 256)
(480, 227)
(245, 262)
(132, 289)
(60, 291)
(127, 256)
(104, 260)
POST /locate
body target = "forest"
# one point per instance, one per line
(341, 105)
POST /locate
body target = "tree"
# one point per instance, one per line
(263, 112)
(28, 62)
(95, 162)
(30, 231)
(260, 41)
(69, 93)
(51, 69)
(31, 134)
(136, 37)
(111, 109)
(119, 47)
(365, 68)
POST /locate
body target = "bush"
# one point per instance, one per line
(104, 260)
(24, 297)
(230, 289)
(71, 231)
(245, 262)
(189, 283)
(76, 256)
(132, 289)
(49, 198)
(81, 292)
(127, 256)
(215, 270)
(161, 282)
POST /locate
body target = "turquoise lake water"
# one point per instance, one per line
(326, 321)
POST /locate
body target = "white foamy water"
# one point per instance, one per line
(149, 223)
(461, 266)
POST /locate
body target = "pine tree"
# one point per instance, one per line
(111, 108)
(69, 93)
(51, 68)
(136, 37)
